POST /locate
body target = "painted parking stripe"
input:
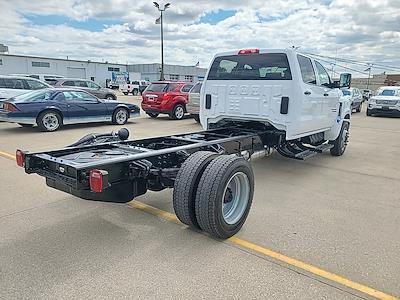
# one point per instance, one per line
(264, 251)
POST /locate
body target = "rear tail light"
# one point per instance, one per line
(10, 107)
(98, 180)
(249, 51)
(20, 158)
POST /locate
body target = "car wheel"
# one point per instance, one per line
(49, 121)
(359, 107)
(25, 125)
(152, 115)
(125, 93)
(197, 118)
(185, 186)
(368, 113)
(120, 116)
(224, 196)
(110, 97)
(135, 92)
(178, 112)
(340, 144)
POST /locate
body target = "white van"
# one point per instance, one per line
(281, 88)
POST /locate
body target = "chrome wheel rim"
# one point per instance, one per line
(50, 121)
(179, 112)
(121, 116)
(110, 98)
(236, 197)
(345, 137)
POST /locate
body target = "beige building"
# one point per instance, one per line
(376, 81)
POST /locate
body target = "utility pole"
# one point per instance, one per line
(369, 75)
(160, 21)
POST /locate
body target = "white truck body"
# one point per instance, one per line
(252, 84)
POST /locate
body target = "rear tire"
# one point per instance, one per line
(49, 120)
(359, 107)
(120, 116)
(125, 93)
(135, 92)
(185, 187)
(340, 144)
(178, 112)
(224, 196)
(152, 115)
(368, 113)
(197, 118)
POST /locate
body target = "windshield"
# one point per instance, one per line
(32, 96)
(267, 66)
(387, 92)
(156, 87)
(346, 93)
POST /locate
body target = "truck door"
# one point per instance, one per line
(330, 96)
(312, 114)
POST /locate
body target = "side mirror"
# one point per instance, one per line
(345, 80)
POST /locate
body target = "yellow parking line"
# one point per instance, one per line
(264, 251)
(7, 155)
(278, 256)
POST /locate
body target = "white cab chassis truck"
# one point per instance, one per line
(252, 101)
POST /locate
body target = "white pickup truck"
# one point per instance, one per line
(134, 87)
(252, 101)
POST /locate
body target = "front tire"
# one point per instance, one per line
(125, 93)
(340, 144)
(49, 121)
(135, 92)
(359, 107)
(120, 116)
(368, 113)
(178, 112)
(111, 97)
(224, 196)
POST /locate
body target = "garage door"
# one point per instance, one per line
(76, 72)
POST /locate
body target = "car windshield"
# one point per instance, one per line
(346, 93)
(156, 87)
(386, 92)
(32, 96)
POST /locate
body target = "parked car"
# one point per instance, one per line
(11, 86)
(193, 106)
(166, 97)
(356, 98)
(88, 86)
(49, 109)
(48, 78)
(386, 101)
(367, 94)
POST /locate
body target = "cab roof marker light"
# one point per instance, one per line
(249, 51)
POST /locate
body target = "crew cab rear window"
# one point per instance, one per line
(266, 66)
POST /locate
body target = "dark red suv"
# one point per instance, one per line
(166, 97)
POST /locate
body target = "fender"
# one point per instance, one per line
(343, 116)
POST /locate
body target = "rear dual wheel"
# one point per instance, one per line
(214, 193)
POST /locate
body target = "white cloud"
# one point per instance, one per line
(363, 30)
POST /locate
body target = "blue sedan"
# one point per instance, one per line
(49, 109)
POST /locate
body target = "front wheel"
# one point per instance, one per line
(120, 116)
(135, 92)
(368, 113)
(340, 144)
(224, 196)
(126, 93)
(49, 121)
(359, 107)
(178, 112)
(110, 97)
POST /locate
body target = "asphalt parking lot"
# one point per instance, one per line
(314, 226)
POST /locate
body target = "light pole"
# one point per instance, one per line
(162, 35)
(369, 75)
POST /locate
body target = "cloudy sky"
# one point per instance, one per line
(124, 30)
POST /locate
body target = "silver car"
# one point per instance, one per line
(88, 86)
(193, 106)
(356, 98)
(11, 86)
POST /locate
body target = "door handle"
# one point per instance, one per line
(326, 94)
(307, 93)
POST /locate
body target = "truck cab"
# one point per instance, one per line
(278, 87)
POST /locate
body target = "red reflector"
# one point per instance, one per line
(20, 158)
(97, 180)
(249, 51)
